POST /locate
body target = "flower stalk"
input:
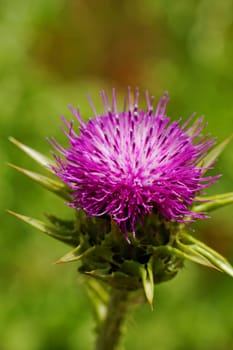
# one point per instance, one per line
(110, 330)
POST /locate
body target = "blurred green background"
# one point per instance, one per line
(55, 52)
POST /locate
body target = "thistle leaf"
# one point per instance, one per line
(180, 252)
(74, 255)
(213, 202)
(61, 224)
(46, 162)
(214, 257)
(99, 298)
(221, 264)
(47, 228)
(100, 292)
(148, 282)
(52, 185)
(209, 159)
(193, 255)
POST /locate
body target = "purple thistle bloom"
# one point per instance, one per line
(130, 163)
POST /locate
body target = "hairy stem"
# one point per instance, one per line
(110, 330)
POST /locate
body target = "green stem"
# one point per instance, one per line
(110, 330)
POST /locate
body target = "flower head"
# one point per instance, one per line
(127, 164)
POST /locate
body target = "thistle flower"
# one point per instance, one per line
(127, 164)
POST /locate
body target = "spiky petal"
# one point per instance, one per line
(126, 164)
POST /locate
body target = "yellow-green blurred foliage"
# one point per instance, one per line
(54, 52)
